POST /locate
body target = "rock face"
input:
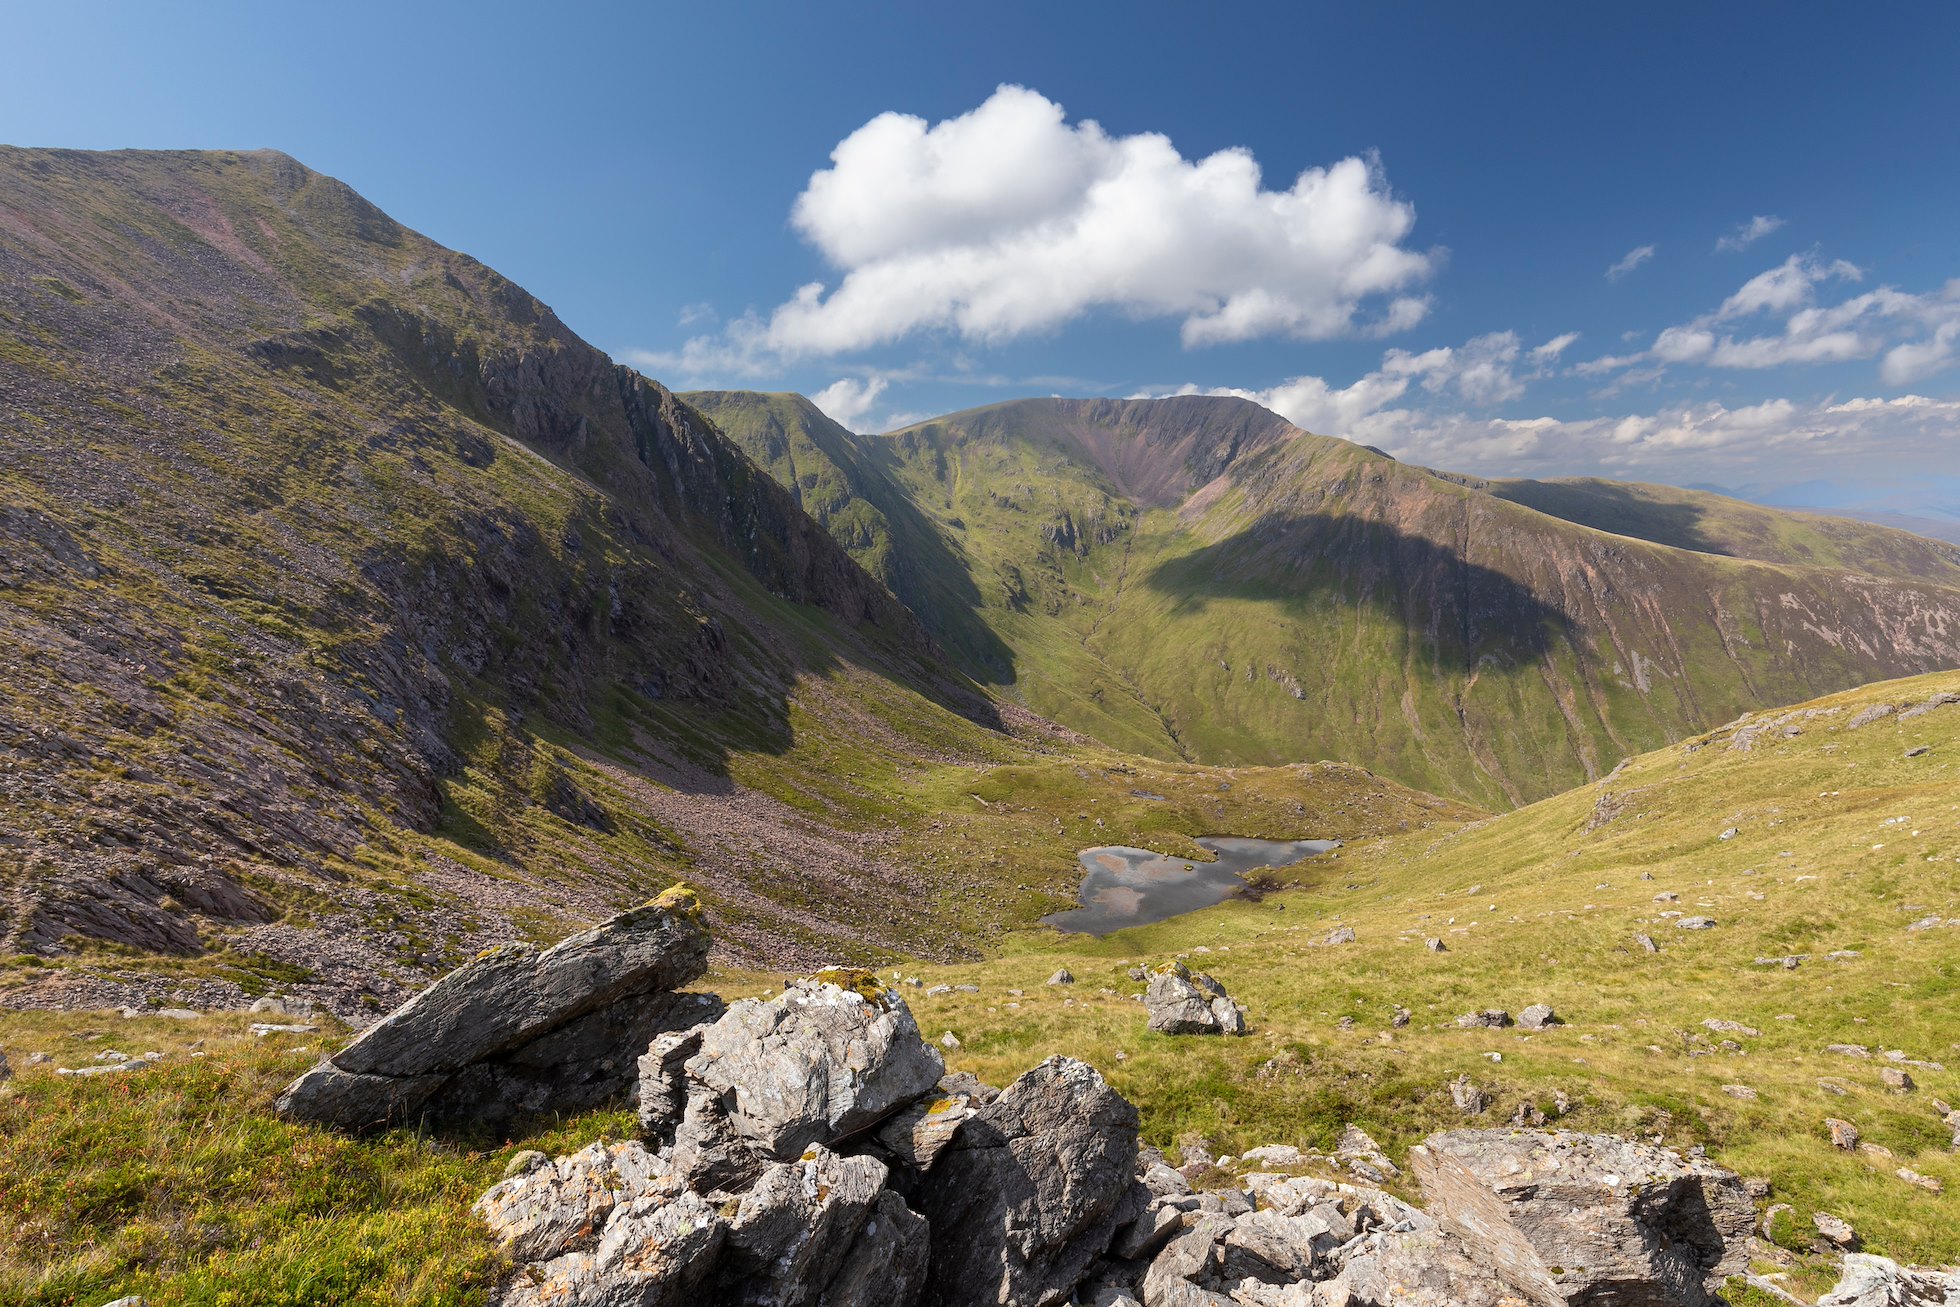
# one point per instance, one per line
(1183, 1003)
(1576, 1218)
(521, 1030)
(1032, 1190)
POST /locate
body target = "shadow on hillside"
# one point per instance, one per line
(1616, 508)
(1461, 610)
(936, 583)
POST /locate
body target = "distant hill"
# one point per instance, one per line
(1196, 578)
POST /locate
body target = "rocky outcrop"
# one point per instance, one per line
(521, 1030)
(809, 1149)
(1183, 1003)
(1577, 1218)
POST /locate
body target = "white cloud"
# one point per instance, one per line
(1748, 233)
(697, 313)
(1554, 347)
(1921, 359)
(1917, 333)
(1634, 258)
(1009, 220)
(847, 400)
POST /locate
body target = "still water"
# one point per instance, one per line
(1122, 886)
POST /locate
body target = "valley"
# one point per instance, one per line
(361, 623)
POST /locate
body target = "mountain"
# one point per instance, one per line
(356, 614)
(1196, 578)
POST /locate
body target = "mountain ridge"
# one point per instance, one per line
(1078, 535)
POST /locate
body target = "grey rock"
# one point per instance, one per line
(1146, 1235)
(1539, 1016)
(1435, 945)
(1834, 1233)
(1469, 1099)
(510, 995)
(524, 1162)
(886, 1266)
(663, 1084)
(1722, 1027)
(1032, 1190)
(6, 1069)
(1647, 944)
(835, 1053)
(1869, 1281)
(1183, 1003)
(1422, 1267)
(518, 1030)
(1696, 923)
(1588, 1219)
(1340, 935)
(915, 1136)
(553, 1208)
(1919, 750)
(1193, 1257)
(1362, 1155)
(1062, 977)
(1490, 1018)
(792, 1231)
(1896, 1080)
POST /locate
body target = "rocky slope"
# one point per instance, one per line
(1196, 578)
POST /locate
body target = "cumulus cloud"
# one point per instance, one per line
(1748, 233)
(1634, 258)
(1010, 220)
(847, 400)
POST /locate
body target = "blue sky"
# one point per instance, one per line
(1413, 241)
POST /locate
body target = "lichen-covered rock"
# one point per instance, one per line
(1588, 1219)
(1031, 1191)
(518, 1030)
(833, 1055)
(1182, 1003)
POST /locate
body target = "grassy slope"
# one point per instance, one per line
(1325, 601)
(1845, 840)
(177, 1183)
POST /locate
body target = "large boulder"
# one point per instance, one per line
(1183, 1003)
(1587, 1219)
(793, 1231)
(518, 1029)
(1868, 1281)
(1031, 1191)
(832, 1056)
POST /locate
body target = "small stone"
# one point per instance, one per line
(1895, 1080)
(1696, 923)
(1930, 1184)
(1401, 1018)
(1722, 1027)
(1729, 834)
(1435, 945)
(1919, 751)
(1469, 1099)
(949, 1040)
(1844, 1135)
(1539, 1016)
(1062, 977)
(1341, 935)
(1647, 944)
(1834, 1233)
(1740, 1091)
(1488, 1019)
